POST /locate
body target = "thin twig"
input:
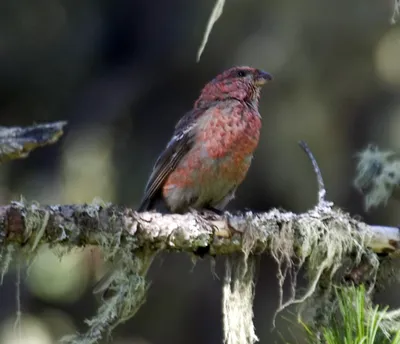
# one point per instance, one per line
(215, 14)
(320, 180)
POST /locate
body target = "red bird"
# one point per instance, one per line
(210, 151)
(212, 146)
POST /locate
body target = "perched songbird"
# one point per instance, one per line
(212, 146)
(210, 151)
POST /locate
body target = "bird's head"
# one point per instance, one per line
(241, 83)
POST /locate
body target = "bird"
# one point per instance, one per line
(210, 151)
(212, 146)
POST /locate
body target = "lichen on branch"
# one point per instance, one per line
(87, 224)
(326, 242)
(324, 239)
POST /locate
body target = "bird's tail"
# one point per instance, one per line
(156, 202)
(144, 206)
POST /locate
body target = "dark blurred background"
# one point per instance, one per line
(123, 72)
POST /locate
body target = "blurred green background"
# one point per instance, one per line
(123, 72)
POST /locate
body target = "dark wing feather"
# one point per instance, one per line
(179, 145)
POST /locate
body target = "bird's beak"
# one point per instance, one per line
(262, 78)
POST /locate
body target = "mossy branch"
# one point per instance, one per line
(80, 225)
(325, 237)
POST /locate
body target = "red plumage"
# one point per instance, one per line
(210, 151)
(212, 146)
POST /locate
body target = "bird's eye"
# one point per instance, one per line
(241, 73)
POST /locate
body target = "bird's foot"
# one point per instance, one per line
(214, 210)
(208, 212)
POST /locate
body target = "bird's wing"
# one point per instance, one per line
(180, 144)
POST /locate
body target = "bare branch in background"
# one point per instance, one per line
(18, 142)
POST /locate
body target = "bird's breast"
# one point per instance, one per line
(219, 159)
(235, 134)
(229, 140)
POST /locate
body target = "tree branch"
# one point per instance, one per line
(80, 225)
(18, 142)
(325, 237)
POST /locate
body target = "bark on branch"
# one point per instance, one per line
(80, 225)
